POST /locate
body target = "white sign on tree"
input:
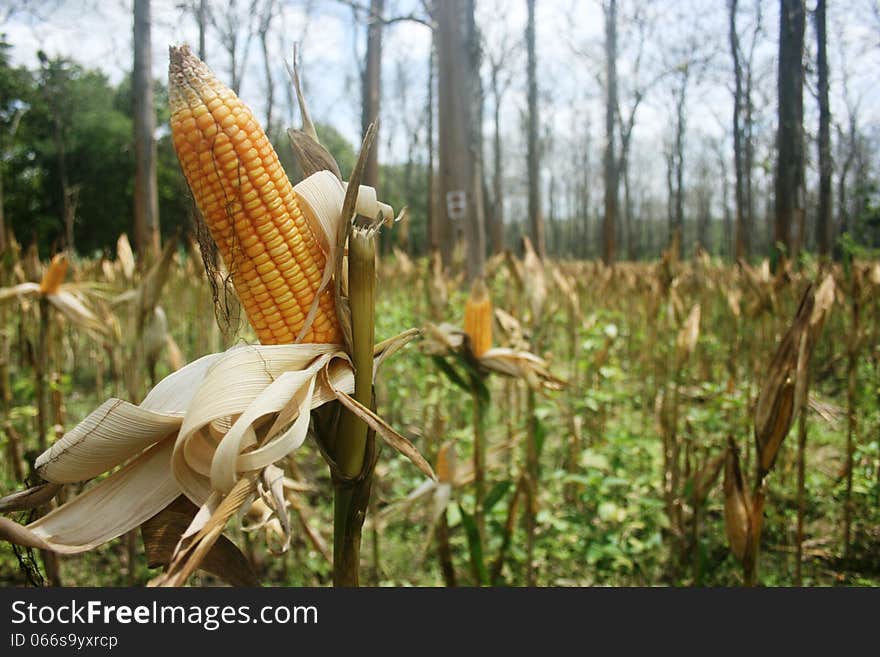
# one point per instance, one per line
(456, 204)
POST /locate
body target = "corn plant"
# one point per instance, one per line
(783, 395)
(214, 431)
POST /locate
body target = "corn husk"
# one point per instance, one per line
(125, 257)
(445, 339)
(202, 431)
(686, 341)
(737, 504)
(785, 386)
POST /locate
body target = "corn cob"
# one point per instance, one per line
(54, 276)
(264, 231)
(478, 318)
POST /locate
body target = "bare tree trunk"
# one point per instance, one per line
(236, 30)
(496, 227)
(842, 180)
(788, 229)
(475, 228)
(263, 32)
(203, 27)
(748, 167)
(146, 194)
(372, 88)
(622, 173)
(609, 219)
(67, 193)
(2, 220)
(536, 219)
(459, 167)
(584, 166)
(851, 415)
(449, 122)
(741, 248)
(429, 110)
(678, 157)
(728, 228)
(823, 219)
(670, 192)
(747, 127)
(704, 215)
(629, 212)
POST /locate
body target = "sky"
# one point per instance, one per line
(570, 62)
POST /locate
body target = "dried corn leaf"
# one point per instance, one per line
(775, 407)
(202, 534)
(708, 475)
(737, 504)
(108, 509)
(73, 308)
(389, 435)
(162, 532)
(30, 498)
(20, 291)
(686, 340)
(125, 256)
(118, 430)
(534, 282)
(445, 467)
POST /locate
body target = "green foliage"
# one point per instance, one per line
(75, 114)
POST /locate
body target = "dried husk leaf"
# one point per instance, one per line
(125, 257)
(404, 263)
(438, 293)
(108, 509)
(20, 291)
(118, 430)
(29, 498)
(534, 280)
(737, 504)
(775, 407)
(824, 302)
(708, 475)
(162, 532)
(688, 335)
(202, 534)
(567, 287)
(445, 467)
(254, 368)
(384, 430)
(73, 308)
(512, 329)
(521, 364)
(734, 296)
(311, 155)
(150, 288)
(21, 535)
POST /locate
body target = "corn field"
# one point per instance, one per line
(632, 474)
(270, 401)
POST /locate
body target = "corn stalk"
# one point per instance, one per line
(852, 419)
(354, 470)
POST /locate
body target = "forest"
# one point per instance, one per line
(439, 293)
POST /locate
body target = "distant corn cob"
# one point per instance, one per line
(264, 232)
(478, 318)
(55, 274)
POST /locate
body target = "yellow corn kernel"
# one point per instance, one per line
(55, 274)
(478, 318)
(249, 206)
